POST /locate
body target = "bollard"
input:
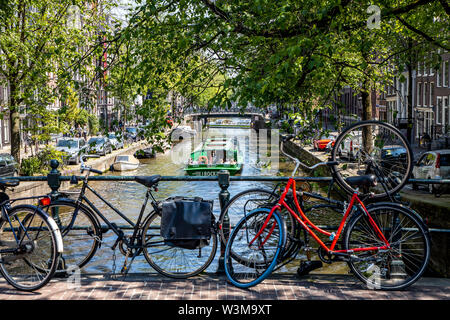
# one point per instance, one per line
(53, 178)
(224, 196)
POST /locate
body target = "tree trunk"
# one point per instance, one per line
(14, 119)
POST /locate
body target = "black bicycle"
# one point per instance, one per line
(30, 241)
(79, 221)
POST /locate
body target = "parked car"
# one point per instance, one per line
(116, 141)
(349, 148)
(321, 142)
(432, 165)
(100, 145)
(131, 133)
(73, 147)
(9, 167)
(181, 132)
(393, 156)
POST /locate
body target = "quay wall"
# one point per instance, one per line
(37, 188)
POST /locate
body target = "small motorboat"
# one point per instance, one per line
(125, 162)
(144, 155)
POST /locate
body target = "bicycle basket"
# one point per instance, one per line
(187, 222)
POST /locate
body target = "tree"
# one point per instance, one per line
(298, 52)
(40, 53)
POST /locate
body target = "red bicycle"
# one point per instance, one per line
(385, 244)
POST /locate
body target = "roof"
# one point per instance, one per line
(217, 144)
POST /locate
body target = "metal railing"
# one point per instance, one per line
(54, 179)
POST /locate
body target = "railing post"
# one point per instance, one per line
(53, 178)
(224, 197)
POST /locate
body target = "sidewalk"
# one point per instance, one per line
(212, 287)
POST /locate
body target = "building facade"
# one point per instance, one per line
(432, 94)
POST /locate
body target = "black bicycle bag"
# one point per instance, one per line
(187, 222)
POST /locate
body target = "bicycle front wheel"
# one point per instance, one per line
(28, 248)
(397, 267)
(372, 148)
(249, 257)
(172, 260)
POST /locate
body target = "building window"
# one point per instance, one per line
(446, 119)
(6, 131)
(431, 73)
(439, 76)
(439, 110)
(419, 69)
(425, 69)
(425, 94)
(445, 74)
(419, 93)
(431, 93)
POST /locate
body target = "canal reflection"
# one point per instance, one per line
(261, 157)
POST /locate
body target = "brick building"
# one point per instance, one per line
(431, 99)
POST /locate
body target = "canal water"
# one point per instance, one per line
(261, 157)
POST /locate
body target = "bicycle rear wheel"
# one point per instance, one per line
(395, 268)
(28, 248)
(248, 263)
(81, 232)
(174, 261)
(241, 204)
(372, 147)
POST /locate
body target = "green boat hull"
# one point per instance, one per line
(204, 170)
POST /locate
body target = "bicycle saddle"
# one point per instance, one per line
(8, 183)
(148, 181)
(369, 180)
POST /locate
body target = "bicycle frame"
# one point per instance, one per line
(304, 222)
(111, 225)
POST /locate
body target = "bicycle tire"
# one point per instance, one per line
(382, 165)
(25, 272)
(172, 261)
(82, 240)
(254, 267)
(256, 198)
(243, 202)
(402, 264)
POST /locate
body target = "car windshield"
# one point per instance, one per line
(112, 136)
(131, 130)
(96, 140)
(67, 143)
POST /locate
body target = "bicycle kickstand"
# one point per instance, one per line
(127, 267)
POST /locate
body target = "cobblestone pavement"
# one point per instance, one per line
(211, 287)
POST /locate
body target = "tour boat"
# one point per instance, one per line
(125, 162)
(214, 155)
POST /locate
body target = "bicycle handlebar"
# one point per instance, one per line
(85, 167)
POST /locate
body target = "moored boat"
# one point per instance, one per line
(125, 162)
